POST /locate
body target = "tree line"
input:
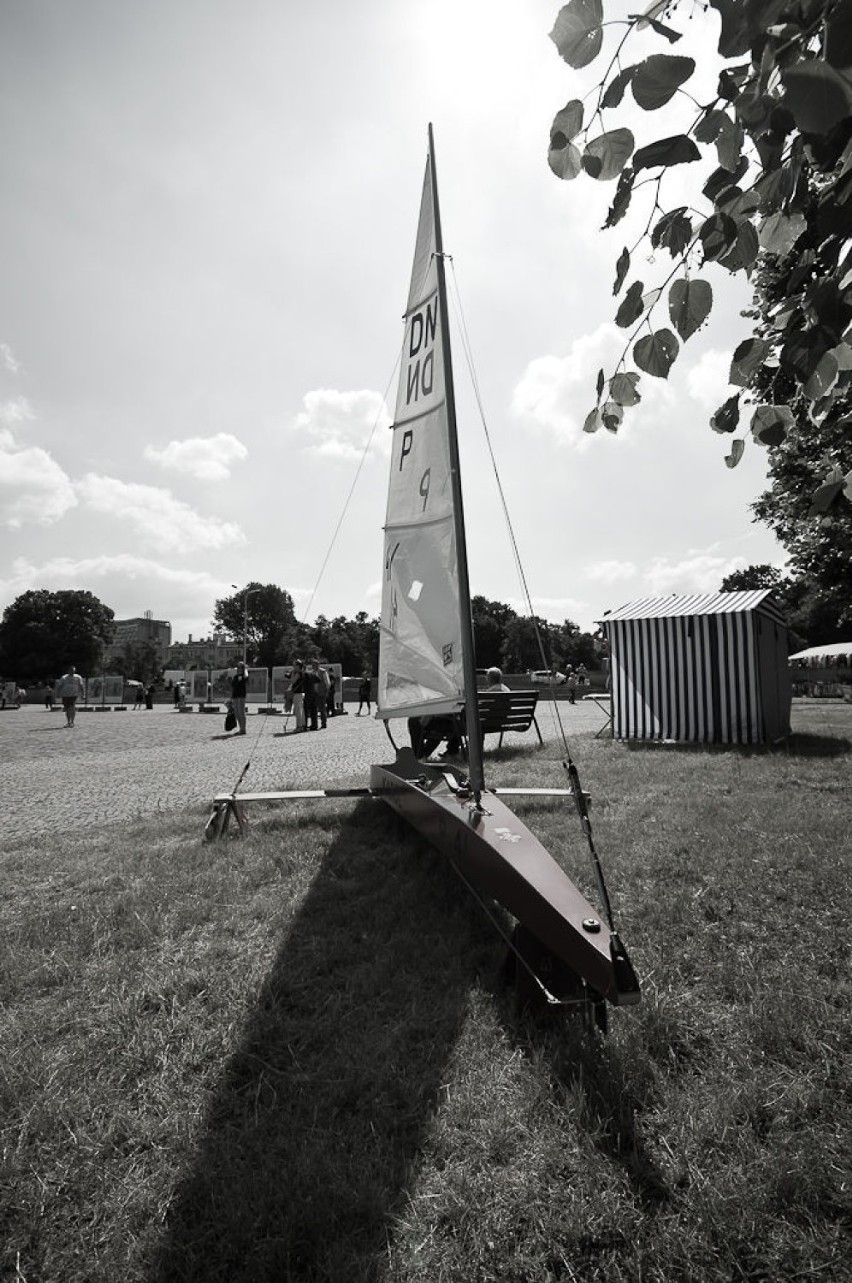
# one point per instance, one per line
(42, 632)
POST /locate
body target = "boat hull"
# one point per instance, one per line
(502, 859)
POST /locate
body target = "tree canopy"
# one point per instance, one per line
(773, 148)
(42, 632)
(264, 612)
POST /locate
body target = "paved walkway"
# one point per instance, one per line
(116, 766)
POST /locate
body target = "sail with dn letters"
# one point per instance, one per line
(421, 659)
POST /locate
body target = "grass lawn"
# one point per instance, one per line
(293, 1057)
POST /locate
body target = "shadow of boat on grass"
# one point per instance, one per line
(312, 1135)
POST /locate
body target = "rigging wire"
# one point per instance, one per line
(568, 763)
(336, 532)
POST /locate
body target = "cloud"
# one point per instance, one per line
(207, 458)
(707, 380)
(8, 361)
(556, 393)
(15, 412)
(33, 487)
(163, 521)
(700, 573)
(610, 572)
(340, 424)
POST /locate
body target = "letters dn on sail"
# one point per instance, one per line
(420, 372)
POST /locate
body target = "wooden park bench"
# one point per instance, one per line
(501, 711)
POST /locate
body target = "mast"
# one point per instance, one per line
(474, 737)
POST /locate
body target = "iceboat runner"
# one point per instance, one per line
(427, 669)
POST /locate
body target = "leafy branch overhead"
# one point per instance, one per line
(773, 156)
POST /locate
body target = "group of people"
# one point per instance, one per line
(311, 694)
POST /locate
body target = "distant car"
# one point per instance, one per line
(544, 677)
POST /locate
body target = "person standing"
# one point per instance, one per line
(238, 697)
(324, 685)
(296, 690)
(71, 689)
(364, 692)
(312, 689)
(330, 701)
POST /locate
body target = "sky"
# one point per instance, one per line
(207, 222)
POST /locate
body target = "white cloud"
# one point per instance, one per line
(33, 487)
(556, 393)
(700, 573)
(707, 380)
(15, 412)
(610, 572)
(340, 423)
(163, 521)
(8, 360)
(207, 458)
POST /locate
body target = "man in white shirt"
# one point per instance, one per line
(71, 689)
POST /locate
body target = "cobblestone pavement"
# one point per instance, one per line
(116, 766)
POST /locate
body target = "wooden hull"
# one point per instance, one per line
(502, 859)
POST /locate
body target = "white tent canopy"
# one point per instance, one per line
(824, 652)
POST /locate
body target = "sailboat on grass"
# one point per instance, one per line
(427, 669)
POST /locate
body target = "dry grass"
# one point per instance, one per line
(293, 1057)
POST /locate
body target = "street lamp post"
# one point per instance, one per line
(246, 594)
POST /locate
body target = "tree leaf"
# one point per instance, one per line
(622, 267)
(612, 415)
(631, 306)
(568, 121)
(601, 383)
(824, 377)
(565, 161)
(745, 251)
(817, 95)
(674, 231)
(668, 32)
(838, 36)
(779, 232)
(655, 353)
(677, 150)
(747, 360)
(825, 496)
(717, 127)
(690, 302)
(658, 78)
(615, 89)
(622, 389)
(593, 420)
(718, 235)
(623, 193)
(606, 156)
(733, 38)
(578, 32)
(769, 423)
(737, 448)
(727, 416)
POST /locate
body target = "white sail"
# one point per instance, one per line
(421, 661)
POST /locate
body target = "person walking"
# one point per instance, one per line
(364, 691)
(71, 689)
(238, 697)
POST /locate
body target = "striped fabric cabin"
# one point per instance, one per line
(705, 669)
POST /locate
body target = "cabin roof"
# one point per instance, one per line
(715, 603)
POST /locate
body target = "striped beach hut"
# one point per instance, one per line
(706, 669)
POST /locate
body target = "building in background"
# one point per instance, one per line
(217, 651)
(143, 631)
